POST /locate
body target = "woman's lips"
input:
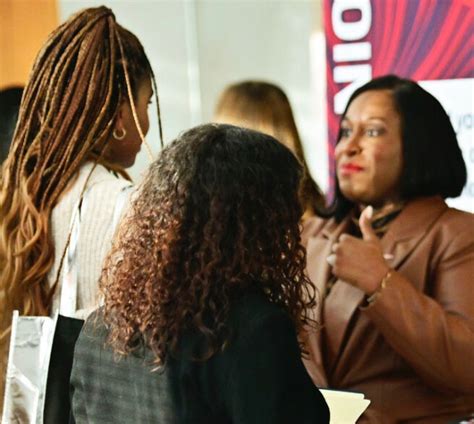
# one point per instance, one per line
(350, 168)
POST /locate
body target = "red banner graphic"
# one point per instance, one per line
(416, 39)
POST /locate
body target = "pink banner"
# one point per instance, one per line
(417, 39)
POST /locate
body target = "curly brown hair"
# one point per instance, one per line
(217, 214)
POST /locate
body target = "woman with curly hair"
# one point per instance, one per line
(205, 290)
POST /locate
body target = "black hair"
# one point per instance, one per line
(10, 99)
(432, 160)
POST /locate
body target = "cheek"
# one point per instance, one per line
(379, 158)
(145, 122)
(387, 169)
(338, 152)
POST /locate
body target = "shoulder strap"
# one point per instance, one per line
(122, 198)
(68, 299)
(67, 302)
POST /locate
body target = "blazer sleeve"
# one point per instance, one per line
(268, 382)
(434, 333)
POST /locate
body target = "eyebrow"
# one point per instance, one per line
(368, 119)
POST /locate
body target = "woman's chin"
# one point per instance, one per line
(356, 196)
(129, 162)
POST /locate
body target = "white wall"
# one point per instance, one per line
(197, 47)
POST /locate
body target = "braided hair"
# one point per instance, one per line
(88, 67)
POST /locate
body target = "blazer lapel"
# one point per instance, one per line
(318, 248)
(341, 304)
(410, 227)
(319, 271)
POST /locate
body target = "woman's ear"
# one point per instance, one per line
(120, 125)
(120, 118)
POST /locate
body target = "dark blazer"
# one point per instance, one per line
(412, 351)
(259, 378)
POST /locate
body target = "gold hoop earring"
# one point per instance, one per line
(119, 136)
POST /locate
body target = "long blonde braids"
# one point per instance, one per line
(67, 115)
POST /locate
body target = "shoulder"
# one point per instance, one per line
(102, 180)
(454, 233)
(101, 184)
(443, 232)
(433, 211)
(92, 345)
(253, 307)
(430, 215)
(105, 192)
(455, 220)
(88, 346)
(443, 221)
(252, 314)
(257, 324)
(93, 329)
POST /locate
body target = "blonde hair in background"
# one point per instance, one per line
(264, 107)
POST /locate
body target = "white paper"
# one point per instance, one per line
(345, 407)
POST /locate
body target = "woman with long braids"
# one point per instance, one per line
(82, 120)
(205, 285)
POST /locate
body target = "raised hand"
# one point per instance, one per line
(360, 262)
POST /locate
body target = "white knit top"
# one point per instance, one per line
(96, 232)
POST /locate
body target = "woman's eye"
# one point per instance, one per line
(374, 132)
(345, 132)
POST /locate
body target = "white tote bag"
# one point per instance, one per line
(28, 361)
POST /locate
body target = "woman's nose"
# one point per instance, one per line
(349, 146)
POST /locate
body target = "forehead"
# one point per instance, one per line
(372, 104)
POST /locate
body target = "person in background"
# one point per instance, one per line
(10, 99)
(82, 121)
(197, 288)
(394, 264)
(264, 107)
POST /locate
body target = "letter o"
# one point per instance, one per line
(350, 31)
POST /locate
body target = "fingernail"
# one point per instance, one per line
(331, 259)
(388, 256)
(370, 212)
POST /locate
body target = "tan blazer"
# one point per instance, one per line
(412, 351)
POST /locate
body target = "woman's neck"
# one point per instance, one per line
(385, 208)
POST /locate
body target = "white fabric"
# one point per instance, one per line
(28, 361)
(97, 230)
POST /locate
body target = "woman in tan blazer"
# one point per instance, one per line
(393, 263)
